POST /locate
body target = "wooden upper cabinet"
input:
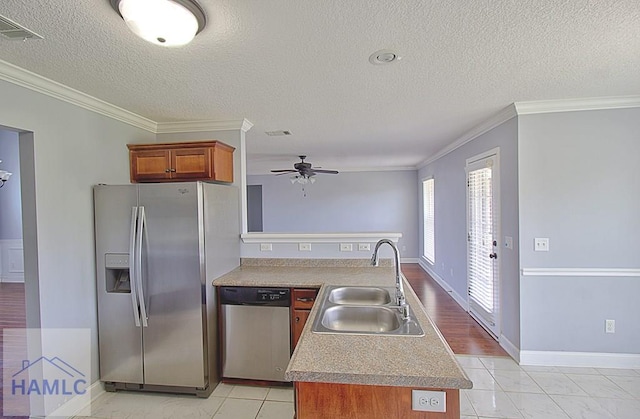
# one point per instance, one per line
(174, 162)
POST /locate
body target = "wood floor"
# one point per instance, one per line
(461, 331)
(12, 315)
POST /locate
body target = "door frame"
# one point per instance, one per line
(497, 211)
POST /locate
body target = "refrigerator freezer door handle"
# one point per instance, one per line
(132, 265)
(141, 296)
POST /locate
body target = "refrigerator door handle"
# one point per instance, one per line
(141, 296)
(132, 265)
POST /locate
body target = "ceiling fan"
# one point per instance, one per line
(304, 170)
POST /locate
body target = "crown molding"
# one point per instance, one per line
(572, 105)
(499, 118)
(32, 81)
(21, 77)
(201, 126)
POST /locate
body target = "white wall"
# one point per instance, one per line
(580, 187)
(71, 149)
(451, 219)
(350, 202)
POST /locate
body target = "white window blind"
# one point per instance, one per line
(429, 220)
(480, 237)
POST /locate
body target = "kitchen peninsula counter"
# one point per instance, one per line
(405, 361)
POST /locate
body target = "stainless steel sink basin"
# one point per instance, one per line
(359, 296)
(363, 311)
(360, 319)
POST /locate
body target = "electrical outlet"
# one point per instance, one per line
(364, 247)
(610, 326)
(429, 401)
(541, 244)
(346, 247)
(304, 247)
(266, 247)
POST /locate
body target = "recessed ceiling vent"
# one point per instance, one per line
(277, 133)
(11, 30)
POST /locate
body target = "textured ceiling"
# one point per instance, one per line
(303, 66)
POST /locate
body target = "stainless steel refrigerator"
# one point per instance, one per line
(158, 247)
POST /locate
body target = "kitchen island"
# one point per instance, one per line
(350, 375)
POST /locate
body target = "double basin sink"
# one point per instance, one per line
(363, 310)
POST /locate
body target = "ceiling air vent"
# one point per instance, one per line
(277, 133)
(11, 30)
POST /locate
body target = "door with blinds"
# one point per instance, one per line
(483, 280)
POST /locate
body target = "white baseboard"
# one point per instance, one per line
(580, 359)
(79, 404)
(511, 349)
(409, 260)
(462, 302)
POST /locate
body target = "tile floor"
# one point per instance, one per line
(502, 389)
(226, 402)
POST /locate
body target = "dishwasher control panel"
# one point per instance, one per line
(280, 297)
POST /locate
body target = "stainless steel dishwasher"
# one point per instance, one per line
(256, 332)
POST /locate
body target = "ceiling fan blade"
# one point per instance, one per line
(284, 171)
(330, 172)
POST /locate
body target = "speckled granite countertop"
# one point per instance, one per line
(425, 361)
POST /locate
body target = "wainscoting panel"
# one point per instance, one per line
(11, 261)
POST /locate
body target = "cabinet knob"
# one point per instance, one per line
(297, 319)
(167, 170)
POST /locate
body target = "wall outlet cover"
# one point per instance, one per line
(610, 326)
(429, 401)
(304, 247)
(364, 247)
(266, 247)
(346, 247)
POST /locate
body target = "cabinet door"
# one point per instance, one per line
(298, 320)
(191, 163)
(150, 165)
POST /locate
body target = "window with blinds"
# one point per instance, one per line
(429, 244)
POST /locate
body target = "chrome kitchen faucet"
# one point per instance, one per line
(401, 302)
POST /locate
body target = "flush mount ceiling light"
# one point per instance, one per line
(384, 56)
(170, 23)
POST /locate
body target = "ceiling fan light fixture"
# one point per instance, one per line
(302, 179)
(169, 23)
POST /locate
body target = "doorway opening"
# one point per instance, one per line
(19, 289)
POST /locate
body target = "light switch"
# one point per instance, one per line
(541, 244)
